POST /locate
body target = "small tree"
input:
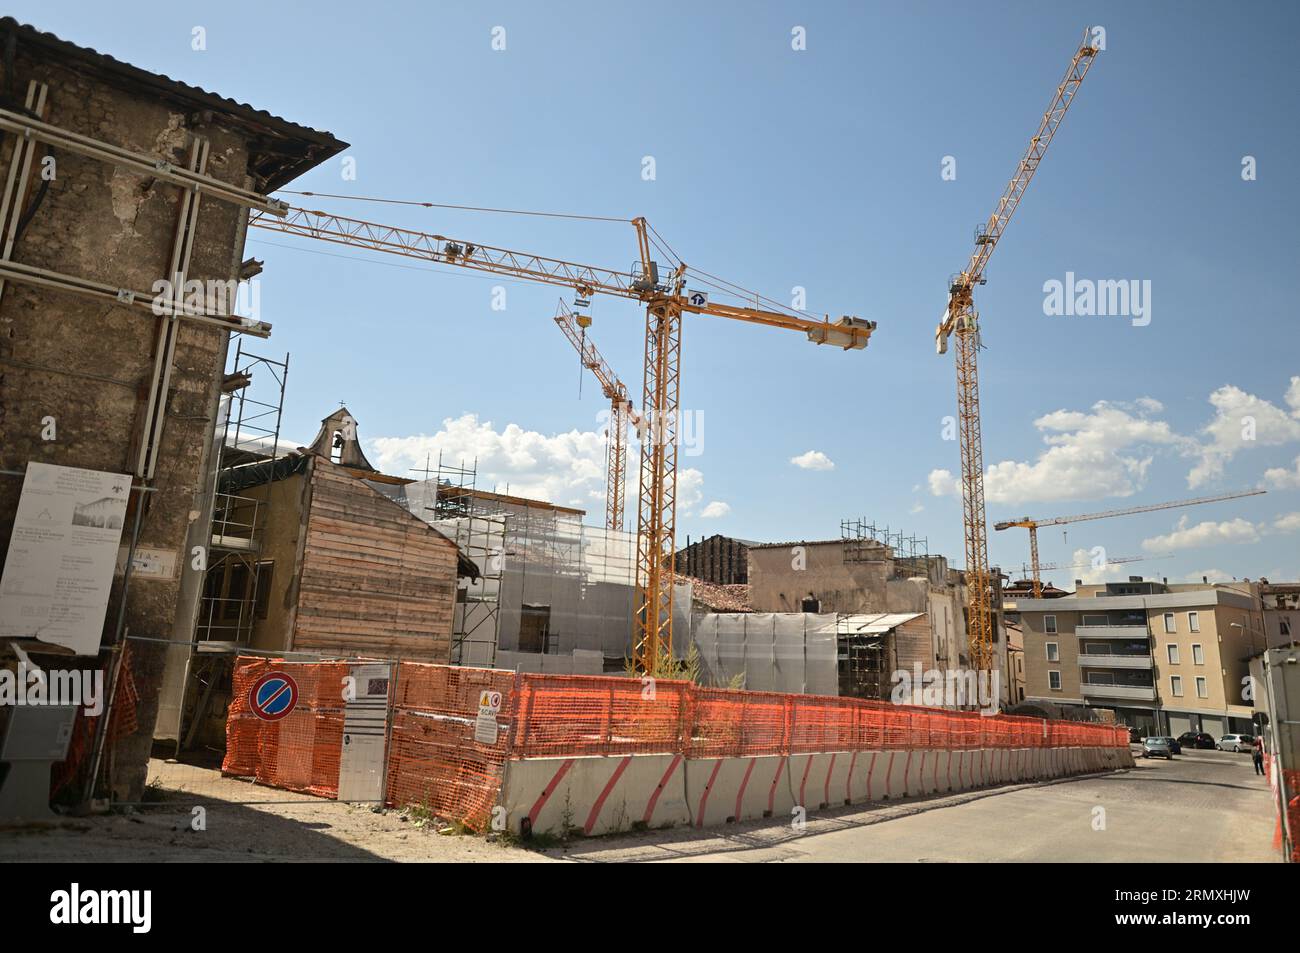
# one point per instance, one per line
(689, 669)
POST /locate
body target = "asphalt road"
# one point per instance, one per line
(1203, 806)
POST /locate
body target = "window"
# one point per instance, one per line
(1286, 626)
(811, 604)
(1049, 624)
(1096, 620)
(1176, 685)
(1194, 621)
(1198, 654)
(262, 603)
(1053, 652)
(1054, 681)
(534, 628)
(1170, 624)
(1202, 689)
(1173, 653)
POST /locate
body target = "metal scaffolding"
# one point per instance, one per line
(250, 435)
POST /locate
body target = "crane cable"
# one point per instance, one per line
(463, 208)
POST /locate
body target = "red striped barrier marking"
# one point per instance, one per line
(548, 791)
(907, 769)
(609, 786)
(704, 796)
(804, 783)
(889, 773)
(848, 784)
(654, 798)
(826, 790)
(771, 793)
(744, 783)
(871, 769)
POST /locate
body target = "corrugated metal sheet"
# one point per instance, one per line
(875, 623)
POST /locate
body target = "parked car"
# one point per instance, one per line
(1196, 739)
(1135, 735)
(1174, 746)
(1156, 746)
(1236, 743)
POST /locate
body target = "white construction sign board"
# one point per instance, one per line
(59, 568)
(485, 726)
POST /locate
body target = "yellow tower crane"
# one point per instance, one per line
(1032, 525)
(960, 318)
(666, 298)
(621, 412)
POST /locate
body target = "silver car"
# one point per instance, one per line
(1157, 747)
(1235, 743)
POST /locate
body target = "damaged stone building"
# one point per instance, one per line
(840, 616)
(118, 179)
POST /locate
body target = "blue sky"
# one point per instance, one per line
(819, 168)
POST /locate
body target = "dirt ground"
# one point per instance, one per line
(247, 822)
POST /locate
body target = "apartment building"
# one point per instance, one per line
(1166, 658)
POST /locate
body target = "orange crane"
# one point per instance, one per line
(621, 412)
(1032, 524)
(960, 318)
(666, 298)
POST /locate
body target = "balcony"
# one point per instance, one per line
(1138, 632)
(1115, 661)
(1146, 693)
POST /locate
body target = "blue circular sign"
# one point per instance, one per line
(273, 696)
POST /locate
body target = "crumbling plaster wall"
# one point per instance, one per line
(88, 365)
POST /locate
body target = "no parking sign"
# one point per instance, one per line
(273, 696)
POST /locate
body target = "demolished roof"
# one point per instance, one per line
(715, 596)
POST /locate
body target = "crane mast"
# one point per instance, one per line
(665, 302)
(960, 318)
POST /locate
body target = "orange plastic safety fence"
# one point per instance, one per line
(122, 721)
(575, 715)
(434, 759)
(724, 723)
(437, 758)
(1291, 794)
(299, 752)
(595, 714)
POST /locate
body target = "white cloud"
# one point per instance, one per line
(715, 510)
(1100, 453)
(1280, 478)
(1289, 523)
(1213, 575)
(813, 460)
(690, 490)
(1243, 420)
(1093, 571)
(943, 483)
(1208, 533)
(917, 507)
(565, 468)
